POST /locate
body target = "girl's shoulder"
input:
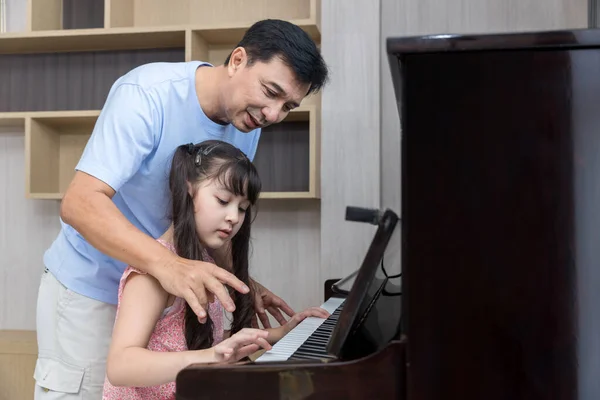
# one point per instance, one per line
(205, 254)
(129, 270)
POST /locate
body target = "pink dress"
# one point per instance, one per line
(168, 335)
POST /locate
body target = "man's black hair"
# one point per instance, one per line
(276, 38)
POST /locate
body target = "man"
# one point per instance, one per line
(117, 202)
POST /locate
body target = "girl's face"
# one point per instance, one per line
(219, 213)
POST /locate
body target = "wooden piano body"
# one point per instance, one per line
(373, 377)
(500, 232)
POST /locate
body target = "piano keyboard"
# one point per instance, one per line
(308, 340)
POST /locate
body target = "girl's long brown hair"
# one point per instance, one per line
(196, 163)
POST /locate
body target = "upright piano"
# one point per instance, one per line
(499, 297)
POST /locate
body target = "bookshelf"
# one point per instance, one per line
(55, 76)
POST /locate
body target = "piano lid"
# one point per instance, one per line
(444, 42)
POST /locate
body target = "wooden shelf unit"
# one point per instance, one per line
(92, 40)
(44, 15)
(194, 38)
(212, 13)
(54, 142)
(69, 35)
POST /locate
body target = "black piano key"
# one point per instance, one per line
(312, 346)
(318, 341)
(315, 347)
(313, 354)
(308, 357)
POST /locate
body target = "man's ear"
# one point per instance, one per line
(237, 61)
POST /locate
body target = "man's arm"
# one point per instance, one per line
(126, 132)
(265, 300)
(87, 207)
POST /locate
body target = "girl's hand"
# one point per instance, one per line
(275, 334)
(240, 345)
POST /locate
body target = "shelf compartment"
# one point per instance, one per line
(44, 15)
(54, 143)
(82, 14)
(68, 81)
(287, 156)
(145, 13)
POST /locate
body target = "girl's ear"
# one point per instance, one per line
(190, 189)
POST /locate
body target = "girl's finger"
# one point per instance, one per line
(247, 350)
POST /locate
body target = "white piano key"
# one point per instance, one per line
(288, 345)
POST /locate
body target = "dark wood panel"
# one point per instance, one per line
(83, 14)
(500, 195)
(282, 158)
(69, 81)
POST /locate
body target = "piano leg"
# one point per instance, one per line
(378, 376)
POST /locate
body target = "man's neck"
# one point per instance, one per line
(208, 81)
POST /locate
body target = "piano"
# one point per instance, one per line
(499, 296)
(307, 361)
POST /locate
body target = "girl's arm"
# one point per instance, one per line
(275, 334)
(129, 361)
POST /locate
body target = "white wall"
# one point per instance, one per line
(16, 21)
(27, 227)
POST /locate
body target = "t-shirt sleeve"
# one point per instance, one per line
(126, 132)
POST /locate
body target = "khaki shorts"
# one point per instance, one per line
(73, 336)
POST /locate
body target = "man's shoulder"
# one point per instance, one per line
(150, 75)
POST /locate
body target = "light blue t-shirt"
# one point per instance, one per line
(148, 113)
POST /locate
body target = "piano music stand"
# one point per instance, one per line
(364, 293)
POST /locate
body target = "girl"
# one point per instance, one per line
(213, 187)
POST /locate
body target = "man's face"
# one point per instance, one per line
(261, 94)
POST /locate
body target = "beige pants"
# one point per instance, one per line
(73, 335)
